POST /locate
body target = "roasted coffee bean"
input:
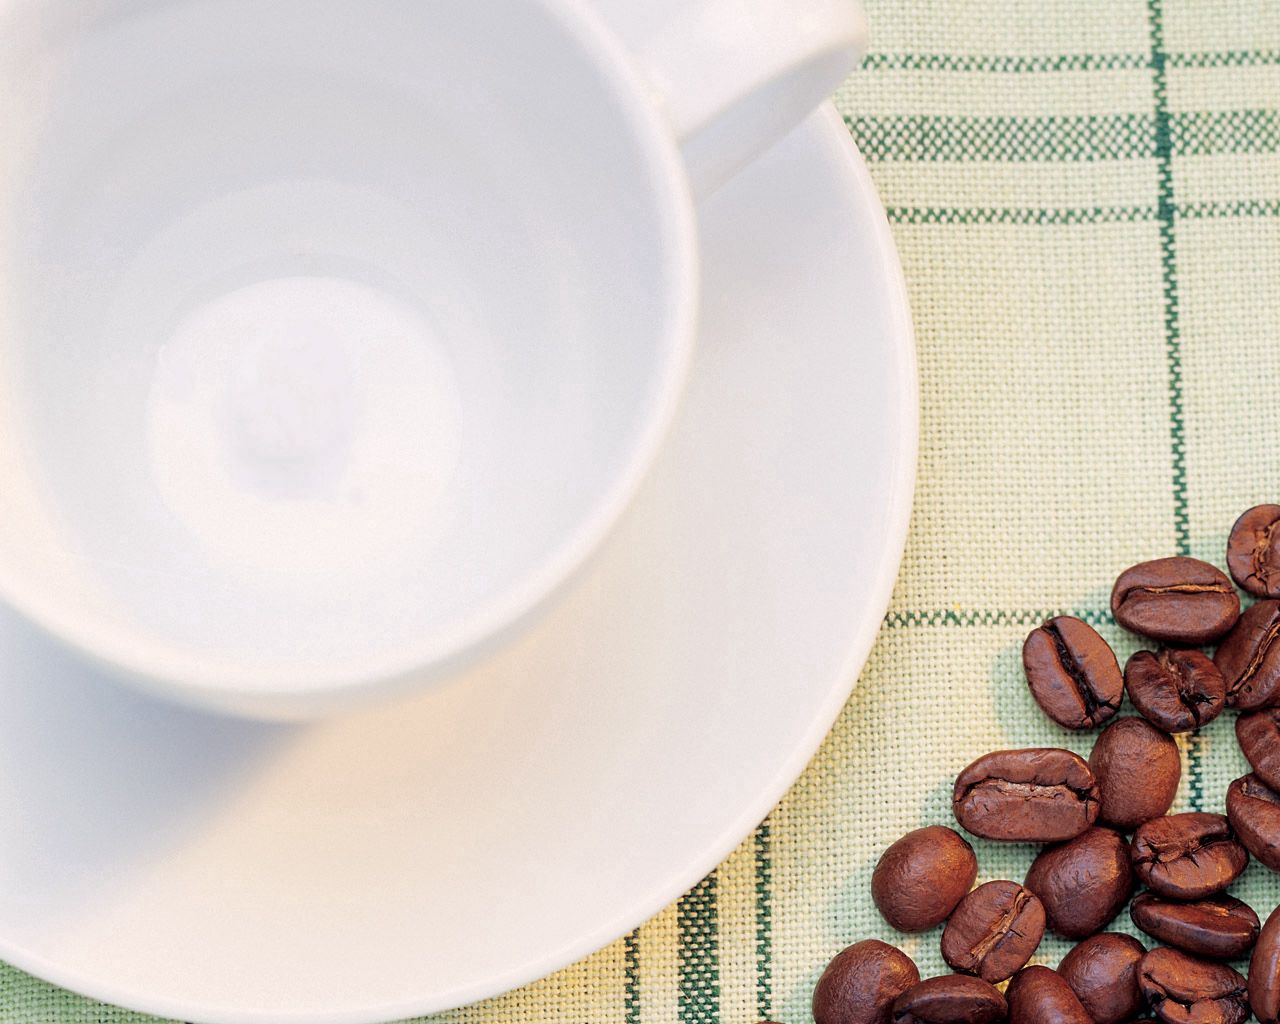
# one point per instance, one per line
(993, 931)
(1103, 973)
(1188, 856)
(920, 878)
(1040, 795)
(1175, 690)
(861, 983)
(950, 999)
(1249, 658)
(1258, 734)
(1253, 808)
(1175, 600)
(1137, 768)
(1253, 551)
(1084, 882)
(1264, 972)
(1220, 927)
(1073, 673)
(1183, 990)
(1038, 995)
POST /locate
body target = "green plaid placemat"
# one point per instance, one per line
(1086, 196)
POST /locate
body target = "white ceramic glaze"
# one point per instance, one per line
(334, 339)
(733, 76)
(413, 858)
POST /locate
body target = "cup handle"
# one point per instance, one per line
(735, 75)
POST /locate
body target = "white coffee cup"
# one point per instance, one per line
(335, 336)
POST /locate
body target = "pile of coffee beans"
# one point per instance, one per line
(1106, 825)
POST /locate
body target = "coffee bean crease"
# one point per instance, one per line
(1199, 991)
(1188, 856)
(1258, 656)
(1079, 678)
(1002, 927)
(1262, 557)
(1253, 551)
(1249, 658)
(1177, 600)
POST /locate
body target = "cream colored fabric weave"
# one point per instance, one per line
(1086, 195)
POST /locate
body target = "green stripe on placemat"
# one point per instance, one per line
(1227, 131)
(764, 920)
(1202, 133)
(1235, 209)
(1028, 617)
(1223, 59)
(1037, 63)
(1014, 139)
(1038, 216)
(1002, 64)
(1086, 139)
(1029, 216)
(699, 955)
(1169, 275)
(631, 987)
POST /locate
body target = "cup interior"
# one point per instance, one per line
(331, 335)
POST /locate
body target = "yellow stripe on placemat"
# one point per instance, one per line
(1020, 27)
(658, 944)
(736, 914)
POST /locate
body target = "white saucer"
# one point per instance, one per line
(430, 854)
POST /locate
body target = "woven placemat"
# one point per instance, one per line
(1086, 196)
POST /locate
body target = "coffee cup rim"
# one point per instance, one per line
(306, 688)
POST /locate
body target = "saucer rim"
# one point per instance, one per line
(898, 502)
